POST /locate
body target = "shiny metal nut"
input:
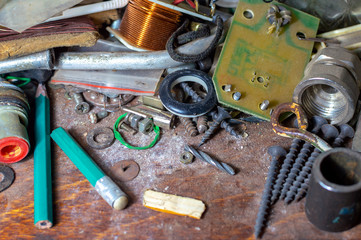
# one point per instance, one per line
(330, 87)
(341, 57)
(145, 126)
(186, 158)
(134, 121)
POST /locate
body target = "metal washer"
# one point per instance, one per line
(126, 170)
(108, 139)
(8, 177)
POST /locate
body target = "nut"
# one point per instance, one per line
(330, 87)
(186, 158)
(134, 120)
(341, 57)
(145, 126)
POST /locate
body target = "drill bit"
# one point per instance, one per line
(191, 130)
(196, 98)
(205, 157)
(222, 115)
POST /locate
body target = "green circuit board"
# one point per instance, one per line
(262, 66)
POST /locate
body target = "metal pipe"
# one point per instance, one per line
(40, 60)
(333, 201)
(127, 60)
(102, 60)
(330, 87)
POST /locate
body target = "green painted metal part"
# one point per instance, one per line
(77, 155)
(43, 203)
(259, 65)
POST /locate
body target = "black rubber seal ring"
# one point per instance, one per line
(109, 138)
(187, 109)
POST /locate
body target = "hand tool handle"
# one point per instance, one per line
(102, 183)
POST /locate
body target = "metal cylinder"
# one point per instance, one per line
(14, 110)
(128, 60)
(40, 60)
(330, 87)
(333, 200)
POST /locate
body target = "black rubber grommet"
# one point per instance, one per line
(187, 109)
(108, 139)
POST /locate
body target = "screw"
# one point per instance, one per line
(126, 127)
(190, 129)
(346, 131)
(202, 124)
(285, 169)
(316, 122)
(236, 96)
(264, 105)
(227, 87)
(186, 158)
(196, 98)
(81, 106)
(329, 132)
(222, 115)
(276, 152)
(95, 117)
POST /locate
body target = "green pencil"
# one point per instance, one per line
(43, 205)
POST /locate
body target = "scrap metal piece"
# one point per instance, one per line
(107, 138)
(109, 103)
(126, 170)
(300, 132)
(162, 119)
(334, 195)
(40, 60)
(7, 176)
(331, 85)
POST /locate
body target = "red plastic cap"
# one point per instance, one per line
(13, 149)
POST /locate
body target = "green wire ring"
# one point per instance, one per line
(25, 80)
(122, 141)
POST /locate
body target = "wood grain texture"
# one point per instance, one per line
(232, 201)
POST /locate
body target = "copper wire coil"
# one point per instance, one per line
(148, 25)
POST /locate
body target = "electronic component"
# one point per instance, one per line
(264, 67)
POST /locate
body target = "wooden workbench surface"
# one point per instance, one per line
(232, 201)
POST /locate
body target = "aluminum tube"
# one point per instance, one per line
(127, 60)
(40, 60)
